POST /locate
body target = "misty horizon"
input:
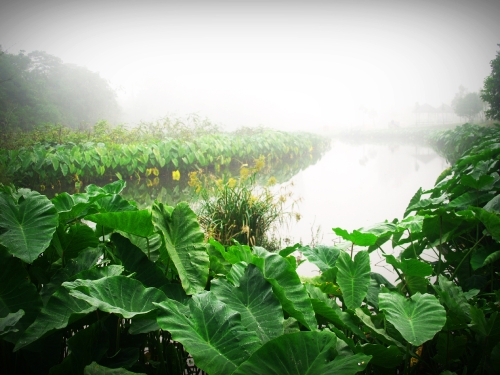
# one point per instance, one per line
(287, 65)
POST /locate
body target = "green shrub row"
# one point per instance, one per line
(43, 164)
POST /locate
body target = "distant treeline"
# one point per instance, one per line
(38, 88)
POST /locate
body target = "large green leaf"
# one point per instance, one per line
(185, 245)
(353, 277)
(418, 319)
(27, 222)
(330, 310)
(286, 286)
(116, 294)
(357, 237)
(454, 298)
(8, 323)
(303, 353)
(134, 260)
(17, 293)
(210, 331)
(68, 242)
(490, 220)
(61, 310)
(383, 356)
(379, 333)
(134, 222)
(260, 310)
(322, 256)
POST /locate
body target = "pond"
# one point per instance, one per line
(358, 185)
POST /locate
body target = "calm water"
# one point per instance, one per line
(354, 186)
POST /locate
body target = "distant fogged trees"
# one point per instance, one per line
(39, 88)
(491, 90)
(467, 104)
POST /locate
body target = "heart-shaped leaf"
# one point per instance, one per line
(353, 277)
(303, 353)
(185, 245)
(418, 319)
(260, 310)
(210, 331)
(117, 294)
(27, 222)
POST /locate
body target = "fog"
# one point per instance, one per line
(291, 65)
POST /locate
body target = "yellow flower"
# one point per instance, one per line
(260, 163)
(231, 183)
(272, 181)
(244, 173)
(176, 175)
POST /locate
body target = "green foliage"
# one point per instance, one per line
(491, 90)
(88, 159)
(39, 88)
(120, 299)
(239, 210)
(467, 104)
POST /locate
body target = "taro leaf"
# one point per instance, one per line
(414, 267)
(114, 187)
(63, 203)
(454, 298)
(416, 284)
(437, 228)
(238, 253)
(149, 245)
(493, 205)
(485, 328)
(356, 237)
(96, 369)
(353, 277)
(134, 222)
(210, 331)
(185, 244)
(61, 310)
(237, 270)
(8, 323)
(286, 286)
(387, 357)
(70, 241)
(413, 201)
(303, 353)
(413, 223)
(418, 319)
(322, 256)
(377, 283)
(16, 293)
(116, 294)
(328, 309)
(471, 198)
(134, 260)
(427, 203)
(475, 181)
(260, 310)
(86, 260)
(490, 220)
(115, 203)
(379, 333)
(27, 222)
(290, 249)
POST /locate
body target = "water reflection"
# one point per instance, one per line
(355, 186)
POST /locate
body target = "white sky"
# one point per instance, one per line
(286, 64)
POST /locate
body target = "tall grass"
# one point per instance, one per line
(239, 209)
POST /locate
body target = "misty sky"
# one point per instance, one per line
(286, 64)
